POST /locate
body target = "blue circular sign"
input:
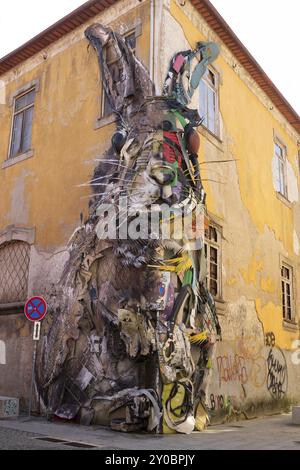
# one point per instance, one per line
(35, 309)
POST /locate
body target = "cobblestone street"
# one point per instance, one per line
(271, 433)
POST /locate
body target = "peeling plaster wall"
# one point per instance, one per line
(2, 92)
(42, 191)
(64, 139)
(260, 229)
(18, 213)
(15, 369)
(292, 184)
(45, 270)
(250, 374)
(16, 344)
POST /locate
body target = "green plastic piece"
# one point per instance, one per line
(188, 277)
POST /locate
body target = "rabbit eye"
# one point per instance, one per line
(118, 140)
(192, 139)
(166, 126)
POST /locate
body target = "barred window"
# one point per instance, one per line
(14, 270)
(212, 252)
(22, 123)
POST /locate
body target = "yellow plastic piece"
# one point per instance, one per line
(199, 338)
(201, 418)
(176, 401)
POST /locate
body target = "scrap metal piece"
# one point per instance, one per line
(126, 81)
(184, 77)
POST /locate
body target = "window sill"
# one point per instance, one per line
(20, 158)
(105, 121)
(213, 138)
(283, 199)
(220, 306)
(290, 325)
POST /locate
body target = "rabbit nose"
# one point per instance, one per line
(162, 174)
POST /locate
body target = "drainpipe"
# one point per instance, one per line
(152, 19)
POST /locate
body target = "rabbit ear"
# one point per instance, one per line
(125, 79)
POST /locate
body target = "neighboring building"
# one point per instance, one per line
(55, 122)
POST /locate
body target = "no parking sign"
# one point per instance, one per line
(35, 309)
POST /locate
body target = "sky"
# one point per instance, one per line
(268, 28)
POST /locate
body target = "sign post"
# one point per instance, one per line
(35, 310)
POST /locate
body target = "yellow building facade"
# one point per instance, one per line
(250, 168)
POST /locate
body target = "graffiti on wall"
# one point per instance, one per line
(232, 368)
(217, 402)
(277, 380)
(243, 363)
(247, 371)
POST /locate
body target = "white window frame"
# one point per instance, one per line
(204, 113)
(281, 169)
(217, 245)
(284, 295)
(22, 93)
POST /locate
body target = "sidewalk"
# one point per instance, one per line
(276, 432)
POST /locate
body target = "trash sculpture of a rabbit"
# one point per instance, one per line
(132, 324)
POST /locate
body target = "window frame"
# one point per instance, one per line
(21, 234)
(14, 306)
(281, 162)
(216, 89)
(287, 282)
(217, 245)
(18, 95)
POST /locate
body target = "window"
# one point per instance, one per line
(115, 72)
(209, 101)
(22, 124)
(14, 271)
(212, 252)
(287, 292)
(280, 161)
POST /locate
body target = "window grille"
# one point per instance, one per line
(14, 270)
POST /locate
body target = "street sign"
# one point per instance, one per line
(36, 331)
(35, 309)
